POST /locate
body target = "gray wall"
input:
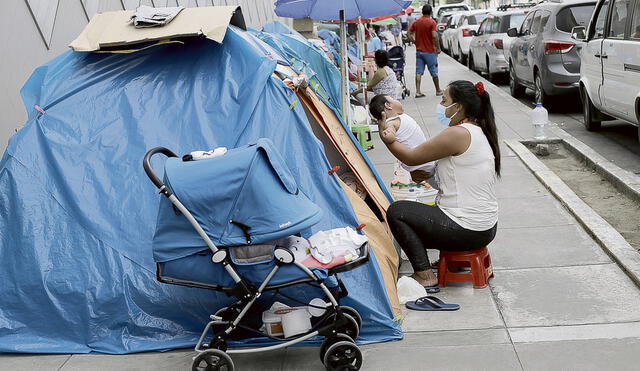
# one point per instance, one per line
(35, 31)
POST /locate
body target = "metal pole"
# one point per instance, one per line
(344, 86)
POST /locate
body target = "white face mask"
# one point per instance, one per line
(442, 116)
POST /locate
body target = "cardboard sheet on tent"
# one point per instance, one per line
(113, 28)
(347, 148)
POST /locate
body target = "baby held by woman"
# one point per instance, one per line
(389, 111)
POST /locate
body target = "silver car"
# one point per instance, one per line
(486, 51)
(543, 57)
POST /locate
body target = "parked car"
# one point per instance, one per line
(544, 57)
(462, 38)
(486, 50)
(449, 32)
(450, 8)
(610, 69)
(441, 25)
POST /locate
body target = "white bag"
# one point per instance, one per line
(409, 289)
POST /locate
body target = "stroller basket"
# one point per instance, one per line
(239, 201)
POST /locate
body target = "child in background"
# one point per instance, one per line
(408, 133)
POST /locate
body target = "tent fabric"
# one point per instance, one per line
(246, 196)
(77, 212)
(328, 91)
(306, 57)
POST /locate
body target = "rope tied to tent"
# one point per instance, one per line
(39, 109)
(294, 104)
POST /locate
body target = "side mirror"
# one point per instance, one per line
(474, 33)
(579, 33)
(512, 32)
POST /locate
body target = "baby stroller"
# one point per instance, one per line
(397, 61)
(213, 232)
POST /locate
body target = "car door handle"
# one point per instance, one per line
(603, 56)
(532, 47)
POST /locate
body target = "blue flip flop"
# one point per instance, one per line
(431, 303)
(432, 289)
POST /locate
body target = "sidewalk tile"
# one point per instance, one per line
(544, 247)
(492, 357)
(566, 296)
(532, 212)
(168, 361)
(477, 311)
(14, 362)
(583, 355)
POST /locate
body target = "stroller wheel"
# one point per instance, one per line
(351, 329)
(353, 313)
(212, 360)
(343, 355)
(329, 341)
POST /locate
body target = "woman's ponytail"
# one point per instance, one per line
(477, 106)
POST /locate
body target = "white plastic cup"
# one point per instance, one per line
(295, 322)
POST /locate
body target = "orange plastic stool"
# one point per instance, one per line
(478, 260)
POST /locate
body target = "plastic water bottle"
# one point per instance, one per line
(539, 118)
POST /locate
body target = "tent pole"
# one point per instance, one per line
(344, 86)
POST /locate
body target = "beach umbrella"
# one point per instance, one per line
(343, 11)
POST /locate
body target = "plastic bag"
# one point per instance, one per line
(409, 289)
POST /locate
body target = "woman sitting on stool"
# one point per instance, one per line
(466, 212)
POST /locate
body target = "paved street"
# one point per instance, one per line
(557, 301)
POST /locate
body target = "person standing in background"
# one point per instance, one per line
(424, 34)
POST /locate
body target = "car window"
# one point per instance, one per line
(535, 24)
(477, 18)
(450, 9)
(483, 26)
(602, 16)
(569, 17)
(635, 23)
(526, 25)
(515, 21)
(460, 21)
(495, 24)
(620, 10)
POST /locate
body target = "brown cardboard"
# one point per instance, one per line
(113, 28)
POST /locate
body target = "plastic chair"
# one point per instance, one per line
(478, 260)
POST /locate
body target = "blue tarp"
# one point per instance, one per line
(77, 212)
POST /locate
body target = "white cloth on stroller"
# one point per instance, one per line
(325, 245)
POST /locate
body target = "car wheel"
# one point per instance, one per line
(463, 58)
(515, 89)
(592, 120)
(541, 96)
(490, 76)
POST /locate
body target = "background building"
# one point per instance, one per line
(35, 31)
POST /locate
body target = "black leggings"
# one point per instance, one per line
(418, 227)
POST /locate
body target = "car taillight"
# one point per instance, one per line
(466, 32)
(498, 43)
(557, 47)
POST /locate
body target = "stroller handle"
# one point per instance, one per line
(146, 163)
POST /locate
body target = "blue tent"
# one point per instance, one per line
(77, 212)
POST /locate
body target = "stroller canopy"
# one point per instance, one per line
(246, 196)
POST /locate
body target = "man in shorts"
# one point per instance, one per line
(424, 34)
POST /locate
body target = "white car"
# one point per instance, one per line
(488, 45)
(450, 31)
(469, 21)
(449, 8)
(610, 68)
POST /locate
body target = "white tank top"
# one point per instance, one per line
(467, 184)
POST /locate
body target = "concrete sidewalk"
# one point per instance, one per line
(557, 301)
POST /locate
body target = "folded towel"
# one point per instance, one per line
(146, 16)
